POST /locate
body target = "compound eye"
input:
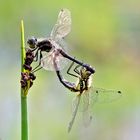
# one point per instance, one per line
(32, 42)
(89, 68)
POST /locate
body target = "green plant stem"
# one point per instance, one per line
(24, 119)
(24, 111)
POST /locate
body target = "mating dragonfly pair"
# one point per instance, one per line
(51, 54)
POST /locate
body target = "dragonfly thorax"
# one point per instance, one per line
(84, 73)
(44, 45)
(83, 83)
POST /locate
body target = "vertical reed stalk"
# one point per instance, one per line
(24, 111)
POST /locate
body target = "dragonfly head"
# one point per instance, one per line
(85, 73)
(32, 42)
(89, 68)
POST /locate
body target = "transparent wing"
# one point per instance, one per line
(93, 95)
(62, 26)
(101, 95)
(85, 101)
(47, 61)
(75, 106)
(87, 117)
(85, 107)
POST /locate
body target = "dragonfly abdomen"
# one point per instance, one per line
(68, 85)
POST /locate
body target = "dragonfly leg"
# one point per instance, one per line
(68, 71)
(36, 55)
(38, 67)
(76, 69)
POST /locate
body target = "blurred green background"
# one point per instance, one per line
(105, 34)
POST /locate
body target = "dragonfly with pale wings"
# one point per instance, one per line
(48, 49)
(52, 55)
(85, 92)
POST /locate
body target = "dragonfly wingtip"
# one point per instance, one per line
(69, 129)
(119, 92)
